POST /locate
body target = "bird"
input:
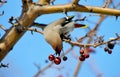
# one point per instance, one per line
(60, 29)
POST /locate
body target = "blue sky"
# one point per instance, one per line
(32, 49)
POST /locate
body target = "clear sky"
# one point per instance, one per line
(32, 49)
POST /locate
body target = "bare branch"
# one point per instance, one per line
(77, 8)
(34, 29)
(4, 65)
(90, 45)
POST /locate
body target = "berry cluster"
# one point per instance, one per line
(83, 55)
(106, 49)
(56, 60)
(109, 47)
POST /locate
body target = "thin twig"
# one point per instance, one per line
(90, 45)
(32, 29)
(35, 30)
(77, 69)
(3, 28)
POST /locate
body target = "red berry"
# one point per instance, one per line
(81, 58)
(86, 55)
(57, 60)
(51, 57)
(110, 51)
(81, 51)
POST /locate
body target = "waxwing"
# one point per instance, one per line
(58, 30)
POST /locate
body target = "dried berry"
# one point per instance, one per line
(81, 58)
(110, 51)
(106, 49)
(110, 45)
(64, 58)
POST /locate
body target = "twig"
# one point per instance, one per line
(38, 66)
(90, 45)
(52, 1)
(77, 69)
(35, 30)
(30, 29)
(3, 28)
(107, 3)
(42, 70)
(3, 65)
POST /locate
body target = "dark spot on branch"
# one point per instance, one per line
(91, 10)
(0, 49)
(11, 48)
(38, 4)
(19, 29)
(25, 2)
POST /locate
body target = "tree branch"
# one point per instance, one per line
(12, 36)
(26, 4)
(43, 2)
(90, 45)
(77, 8)
(75, 2)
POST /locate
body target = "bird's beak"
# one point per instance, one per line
(76, 25)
